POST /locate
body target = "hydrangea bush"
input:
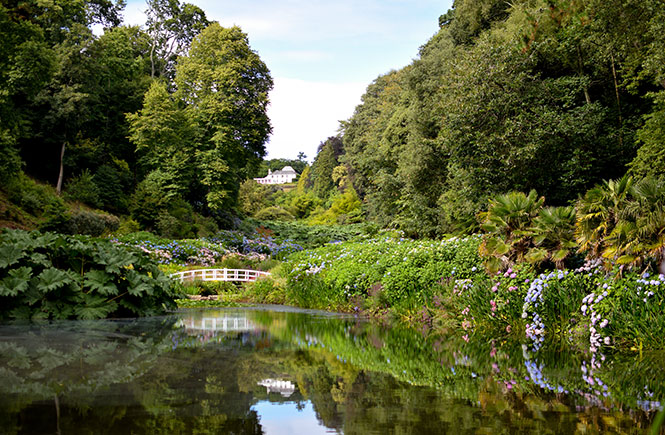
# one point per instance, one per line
(404, 271)
(626, 311)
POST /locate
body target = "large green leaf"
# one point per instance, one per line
(40, 259)
(138, 284)
(23, 312)
(115, 259)
(17, 282)
(94, 307)
(626, 259)
(101, 282)
(51, 279)
(536, 255)
(10, 255)
(497, 247)
(560, 254)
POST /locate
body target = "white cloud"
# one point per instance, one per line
(134, 14)
(304, 114)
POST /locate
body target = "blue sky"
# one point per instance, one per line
(321, 54)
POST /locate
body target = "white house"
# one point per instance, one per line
(286, 175)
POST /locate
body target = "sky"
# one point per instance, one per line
(322, 55)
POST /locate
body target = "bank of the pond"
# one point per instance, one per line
(438, 285)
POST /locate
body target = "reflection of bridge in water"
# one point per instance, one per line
(285, 388)
(219, 324)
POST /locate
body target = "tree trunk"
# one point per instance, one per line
(581, 66)
(152, 59)
(58, 187)
(57, 415)
(616, 91)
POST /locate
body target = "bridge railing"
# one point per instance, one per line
(242, 275)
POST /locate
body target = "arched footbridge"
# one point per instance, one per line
(237, 275)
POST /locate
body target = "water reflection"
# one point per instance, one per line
(261, 371)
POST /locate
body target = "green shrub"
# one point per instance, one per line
(406, 270)
(55, 216)
(127, 226)
(92, 223)
(30, 195)
(114, 181)
(150, 198)
(626, 311)
(78, 221)
(266, 290)
(53, 276)
(170, 227)
(83, 189)
(232, 262)
(274, 213)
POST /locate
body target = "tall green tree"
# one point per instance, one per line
(164, 136)
(27, 63)
(172, 27)
(224, 85)
(324, 164)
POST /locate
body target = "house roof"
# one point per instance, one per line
(286, 170)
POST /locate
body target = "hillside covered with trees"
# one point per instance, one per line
(163, 127)
(158, 125)
(551, 95)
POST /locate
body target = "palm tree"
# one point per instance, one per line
(597, 214)
(639, 235)
(553, 233)
(507, 223)
(623, 222)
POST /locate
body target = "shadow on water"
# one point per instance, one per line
(264, 370)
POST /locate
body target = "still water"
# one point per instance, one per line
(274, 370)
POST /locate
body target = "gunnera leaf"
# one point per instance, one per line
(94, 307)
(17, 282)
(51, 279)
(10, 255)
(100, 282)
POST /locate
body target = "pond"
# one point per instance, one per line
(277, 370)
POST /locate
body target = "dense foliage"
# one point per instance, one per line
(50, 276)
(162, 123)
(394, 272)
(443, 284)
(547, 95)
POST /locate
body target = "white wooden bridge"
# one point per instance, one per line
(241, 275)
(219, 324)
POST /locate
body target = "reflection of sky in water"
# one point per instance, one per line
(285, 418)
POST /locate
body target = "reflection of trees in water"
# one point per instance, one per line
(492, 373)
(41, 365)
(156, 378)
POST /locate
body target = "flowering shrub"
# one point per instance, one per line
(257, 243)
(626, 310)
(552, 301)
(485, 301)
(407, 270)
(181, 252)
(207, 252)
